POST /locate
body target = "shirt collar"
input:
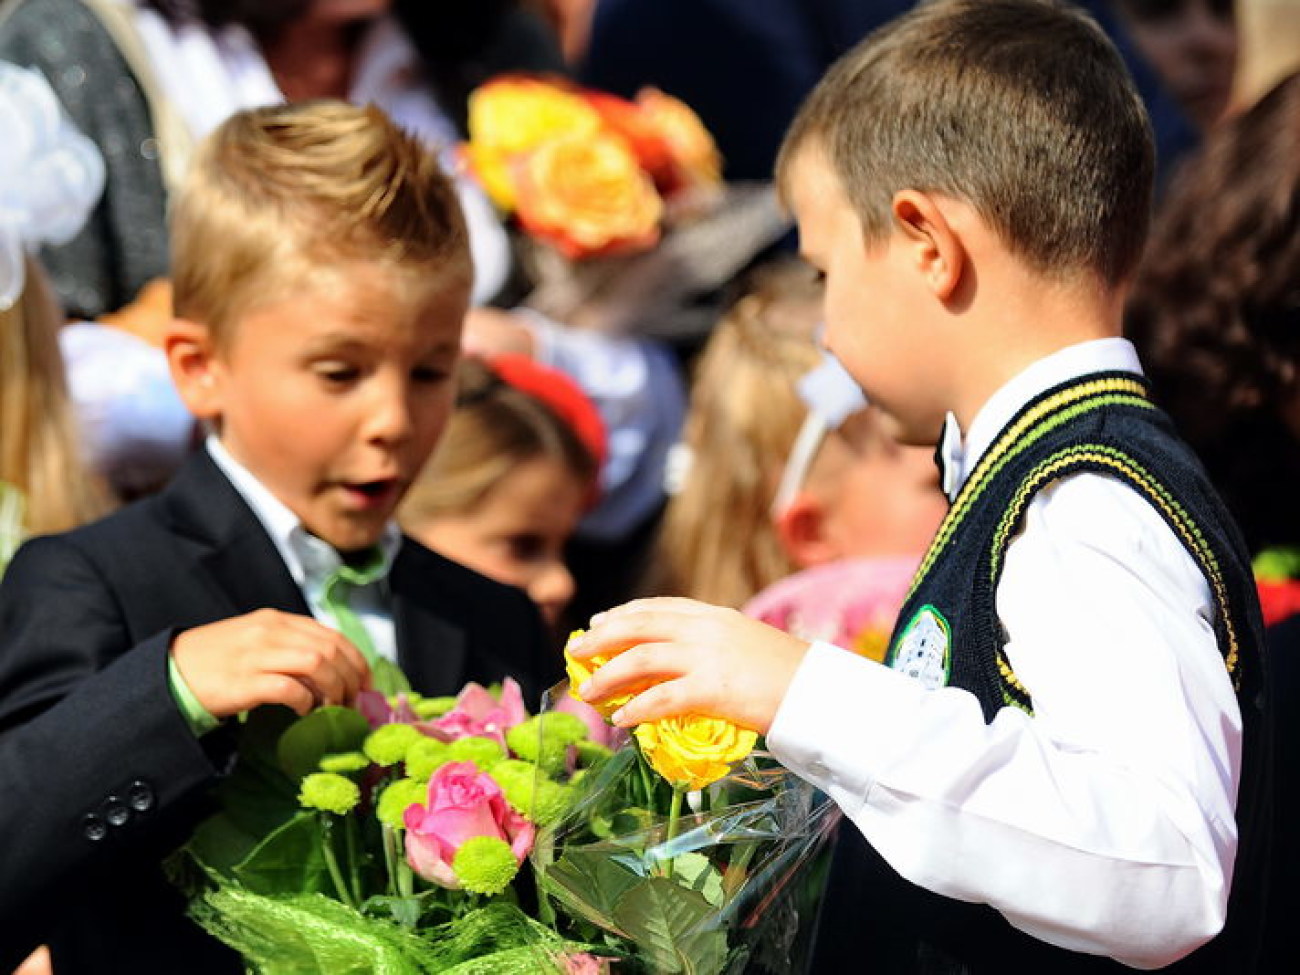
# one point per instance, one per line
(957, 456)
(309, 559)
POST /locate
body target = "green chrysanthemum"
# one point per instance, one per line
(344, 762)
(485, 865)
(530, 793)
(330, 792)
(387, 744)
(545, 739)
(425, 757)
(394, 801)
(483, 752)
(429, 708)
(591, 753)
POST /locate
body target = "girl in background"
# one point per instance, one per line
(515, 469)
(746, 513)
(50, 177)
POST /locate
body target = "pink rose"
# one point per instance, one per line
(463, 803)
(478, 714)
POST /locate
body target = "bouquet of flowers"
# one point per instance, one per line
(689, 852)
(389, 837)
(588, 172)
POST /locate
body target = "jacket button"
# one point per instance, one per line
(115, 811)
(94, 827)
(139, 796)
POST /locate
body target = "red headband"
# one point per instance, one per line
(561, 394)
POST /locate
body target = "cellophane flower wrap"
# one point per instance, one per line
(688, 851)
(589, 173)
(392, 838)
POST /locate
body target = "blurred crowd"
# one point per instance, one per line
(588, 466)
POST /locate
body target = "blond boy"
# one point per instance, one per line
(321, 274)
(1061, 763)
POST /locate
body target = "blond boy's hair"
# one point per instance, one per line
(40, 453)
(278, 197)
(1021, 108)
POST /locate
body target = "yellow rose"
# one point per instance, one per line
(491, 168)
(509, 118)
(692, 147)
(691, 752)
(580, 671)
(588, 195)
(516, 114)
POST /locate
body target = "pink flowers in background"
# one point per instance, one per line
(851, 603)
(478, 714)
(463, 803)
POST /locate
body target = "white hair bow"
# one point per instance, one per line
(50, 174)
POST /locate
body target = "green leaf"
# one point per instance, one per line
(387, 678)
(590, 881)
(289, 861)
(324, 731)
(669, 924)
(695, 872)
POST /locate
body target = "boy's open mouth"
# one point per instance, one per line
(372, 492)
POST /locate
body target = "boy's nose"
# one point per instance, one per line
(389, 415)
(552, 589)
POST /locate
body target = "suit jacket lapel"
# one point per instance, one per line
(232, 551)
(431, 650)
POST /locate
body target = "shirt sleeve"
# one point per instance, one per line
(1104, 823)
(199, 718)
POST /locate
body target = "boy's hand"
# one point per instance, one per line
(687, 657)
(269, 657)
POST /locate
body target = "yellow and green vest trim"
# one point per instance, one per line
(1037, 422)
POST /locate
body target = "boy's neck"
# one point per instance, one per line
(1018, 318)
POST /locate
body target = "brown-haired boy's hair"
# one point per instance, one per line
(277, 196)
(1021, 108)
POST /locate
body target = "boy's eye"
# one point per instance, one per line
(527, 548)
(337, 372)
(430, 374)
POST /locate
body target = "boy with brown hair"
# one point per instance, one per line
(1063, 760)
(321, 276)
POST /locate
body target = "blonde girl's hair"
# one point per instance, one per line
(493, 429)
(717, 542)
(40, 452)
(278, 197)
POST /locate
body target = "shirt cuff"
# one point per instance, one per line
(837, 722)
(200, 720)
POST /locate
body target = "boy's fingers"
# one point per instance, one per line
(283, 689)
(660, 701)
(638, 667)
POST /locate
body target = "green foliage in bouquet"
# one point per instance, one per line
(388, 838)
(728, 884)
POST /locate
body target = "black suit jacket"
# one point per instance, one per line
(100, 777)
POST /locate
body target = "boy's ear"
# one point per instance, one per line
(801, 530)
(195, 367)
(937, 250)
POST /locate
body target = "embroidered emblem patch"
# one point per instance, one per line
(923, 649)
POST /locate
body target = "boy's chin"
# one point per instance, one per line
(348, 537)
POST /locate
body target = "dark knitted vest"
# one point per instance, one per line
(1103, 423)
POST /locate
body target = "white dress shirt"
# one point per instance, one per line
(1104, 823)
(311, 560)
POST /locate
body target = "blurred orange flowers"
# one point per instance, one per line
(587, 171)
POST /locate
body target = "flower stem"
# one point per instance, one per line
(354, 869)
(331, 861)
(674, 813)
(390, 856)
